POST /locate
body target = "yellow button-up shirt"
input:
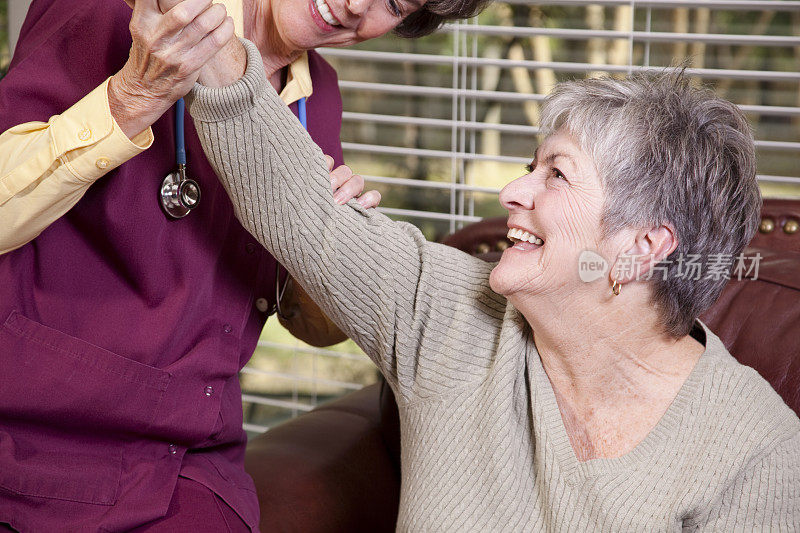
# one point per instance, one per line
(46, 167)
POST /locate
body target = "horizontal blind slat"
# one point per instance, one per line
(466, 156)
(447, 92)
(261, 400)
(766, 5)
(313, 350)
(422, 152)
(427, 184)
(479, 126)
(434, 59)
(493, 190)
(433, 215)
(297, 377)
(254, 428)
(438, 123)
(640, 36)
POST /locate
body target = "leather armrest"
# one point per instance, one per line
(327, 470)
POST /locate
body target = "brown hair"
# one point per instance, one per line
(434, 13)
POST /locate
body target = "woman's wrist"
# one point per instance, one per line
(229, 97)
(226, 67)
(133, 111)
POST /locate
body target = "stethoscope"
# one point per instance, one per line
(179, 194)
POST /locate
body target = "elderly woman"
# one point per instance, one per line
(529, 399)
(123, 329)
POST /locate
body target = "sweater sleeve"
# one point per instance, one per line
(764, 497)
(420, 310)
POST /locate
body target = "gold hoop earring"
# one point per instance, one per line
(616, 287)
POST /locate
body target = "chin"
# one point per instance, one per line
(500, 279)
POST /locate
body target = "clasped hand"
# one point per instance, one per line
(167, 52)
(172, 40)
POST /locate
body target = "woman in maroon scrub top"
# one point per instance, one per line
(122, 332)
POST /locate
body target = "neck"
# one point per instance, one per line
(601, 351)
(275, 54)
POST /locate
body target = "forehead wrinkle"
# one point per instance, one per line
(552, 157)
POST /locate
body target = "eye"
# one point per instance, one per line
(394, 9)
(530, 167)
(558, 174)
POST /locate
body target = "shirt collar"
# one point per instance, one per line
(298, 80)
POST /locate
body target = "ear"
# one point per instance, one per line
(649, 247)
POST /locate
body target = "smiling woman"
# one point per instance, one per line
(528, 398)
(284, 29)
(86, 251)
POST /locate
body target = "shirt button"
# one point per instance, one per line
(227, 328)
(250, 247)
(102, 163)
(85, 134)
(209, 390)
(262, 305)
(173, 449)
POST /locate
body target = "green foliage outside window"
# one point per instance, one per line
(4, 55)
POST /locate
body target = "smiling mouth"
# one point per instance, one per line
(517, 235)
(325, 12)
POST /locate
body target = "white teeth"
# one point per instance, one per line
(516, 234)
(325, 11)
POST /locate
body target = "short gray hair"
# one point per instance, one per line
(671, 153)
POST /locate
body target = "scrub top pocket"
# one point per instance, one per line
(67, 408)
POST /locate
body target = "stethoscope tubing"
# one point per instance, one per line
(180, 157)
(180, 138)
(280, 289)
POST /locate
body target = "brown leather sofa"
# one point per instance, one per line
(337, 468)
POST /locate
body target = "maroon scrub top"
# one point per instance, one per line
(122, 332)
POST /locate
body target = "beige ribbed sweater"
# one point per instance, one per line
(483, 444)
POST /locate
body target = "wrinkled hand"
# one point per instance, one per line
(347, 186)
(166, 56)
(225, 67)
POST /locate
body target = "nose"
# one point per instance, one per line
(519, 194)
(357, 7)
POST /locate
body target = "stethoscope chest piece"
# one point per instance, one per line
(179, 195)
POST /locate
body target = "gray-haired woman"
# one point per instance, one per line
(530, 399)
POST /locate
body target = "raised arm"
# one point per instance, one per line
(418, 309)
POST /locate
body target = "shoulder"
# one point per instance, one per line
(76, 21)
(742, 406)
(66, 49)
(322, 73)
(733, 425)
